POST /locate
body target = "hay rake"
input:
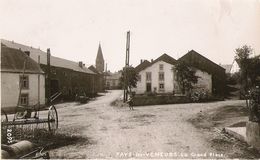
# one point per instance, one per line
(27, 121)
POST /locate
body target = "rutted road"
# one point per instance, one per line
(160, 131)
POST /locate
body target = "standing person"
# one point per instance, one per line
(130, 102)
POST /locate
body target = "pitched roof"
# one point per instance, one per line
(55, 61)
(93, 69)
(100, 54)
(12, 60)
(165, 57)
(142, 66)
(196, 60)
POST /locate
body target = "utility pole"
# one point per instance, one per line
(105, 77)
(126, 66)
(48, 82)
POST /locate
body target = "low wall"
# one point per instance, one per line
(142, 100)
(253, 134)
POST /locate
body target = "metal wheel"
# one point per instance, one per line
(4, 117)
(52, 118)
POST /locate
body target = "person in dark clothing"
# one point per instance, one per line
(130, 102)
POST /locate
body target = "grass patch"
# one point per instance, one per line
(218, 117)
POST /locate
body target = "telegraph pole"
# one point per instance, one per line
(105, 77)
(126, 66)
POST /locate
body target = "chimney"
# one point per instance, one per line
(151, 60)
(48, 56)
(80, 64)
(141, 61)
(27, 53)
(83, 64)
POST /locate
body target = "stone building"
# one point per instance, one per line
(65, 76)
(99, 79)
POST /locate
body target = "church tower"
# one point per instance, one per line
(100, 60)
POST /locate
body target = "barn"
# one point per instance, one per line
(62, 76)
(207, 67)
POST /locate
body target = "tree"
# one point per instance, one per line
(132, 78)
(185, 76)
(249, 66)
(243, 61)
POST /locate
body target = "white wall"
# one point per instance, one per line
(154, 69)
(204, 81)
(10, 89)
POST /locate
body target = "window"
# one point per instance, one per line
(113, 82)
(24, 82)
(139, 78)
(161, 86)
(161, 67)
(148, 76)
(161, 76)
(24, 99)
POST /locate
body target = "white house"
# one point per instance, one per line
(13, 76)
(157, 76)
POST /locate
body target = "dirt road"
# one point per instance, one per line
(160, 131)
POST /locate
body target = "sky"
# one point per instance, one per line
(73, 29)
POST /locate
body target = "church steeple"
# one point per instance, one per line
(100, 64)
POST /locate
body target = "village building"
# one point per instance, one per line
(212, 77)
(99, 77)
(62, 76)
(113, 80)
(156, 76)
(160, 76)
(18, 70)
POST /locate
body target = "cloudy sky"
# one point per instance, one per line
(72, 29)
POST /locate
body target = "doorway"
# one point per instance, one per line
(148, 87)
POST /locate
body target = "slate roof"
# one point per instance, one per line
(165, 57)
(12, 60)
(93, 69)
(55, 61)
(196, 60)
(142, 66)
